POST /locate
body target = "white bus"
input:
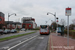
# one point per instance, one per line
(44, 29)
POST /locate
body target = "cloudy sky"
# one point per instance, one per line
(37, 9)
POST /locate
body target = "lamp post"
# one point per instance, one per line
(9, 16)
(52, 14)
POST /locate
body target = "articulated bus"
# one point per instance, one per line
(44, 29)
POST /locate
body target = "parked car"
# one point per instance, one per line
(6, 31)
(23, 29)
(1, 31)
(13, 31)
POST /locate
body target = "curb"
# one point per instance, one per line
(50, 38)
(51, 43)
(48, 48)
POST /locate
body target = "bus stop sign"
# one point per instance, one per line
(68, 12)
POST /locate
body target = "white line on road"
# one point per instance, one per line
(22, 42)
(40, 37)
(5, 47)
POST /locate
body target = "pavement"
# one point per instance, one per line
(60, 43)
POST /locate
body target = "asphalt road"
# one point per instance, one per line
(33, 41)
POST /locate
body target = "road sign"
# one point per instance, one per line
(68, 12)
(52, 26)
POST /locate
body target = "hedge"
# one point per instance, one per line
(71, 33)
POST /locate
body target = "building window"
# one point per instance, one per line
(23, 26)
(0, 19)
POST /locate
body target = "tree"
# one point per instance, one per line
(54, 25)
(72, 26)
(63, 22)
(73, 21)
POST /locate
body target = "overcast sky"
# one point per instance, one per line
(37, 9)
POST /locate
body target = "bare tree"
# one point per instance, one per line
(63, 22)
(73, 21)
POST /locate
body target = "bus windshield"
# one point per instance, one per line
(43, 26)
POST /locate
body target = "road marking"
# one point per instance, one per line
(5, 47)
(22, 42)
(40, 37)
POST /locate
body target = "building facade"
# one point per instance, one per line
(13, 25)
(28, 23)
(2, 20)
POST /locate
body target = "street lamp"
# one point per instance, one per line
(52, 14)
(9, 16)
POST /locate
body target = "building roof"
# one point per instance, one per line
(11, 22)
(27, 19)
(1, 14)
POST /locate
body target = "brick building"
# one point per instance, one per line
(13, 25)
(2, 20)
(28, 23)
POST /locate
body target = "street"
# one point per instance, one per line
(33, 41)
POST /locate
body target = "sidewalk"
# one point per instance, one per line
(60, 43)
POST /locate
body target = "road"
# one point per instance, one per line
(33, 41)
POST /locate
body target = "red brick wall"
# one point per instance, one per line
(2, 20)
(27, 26)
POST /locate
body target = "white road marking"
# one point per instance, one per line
(5, 47)
(19, 41)
(22, 42)
(40, 37)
